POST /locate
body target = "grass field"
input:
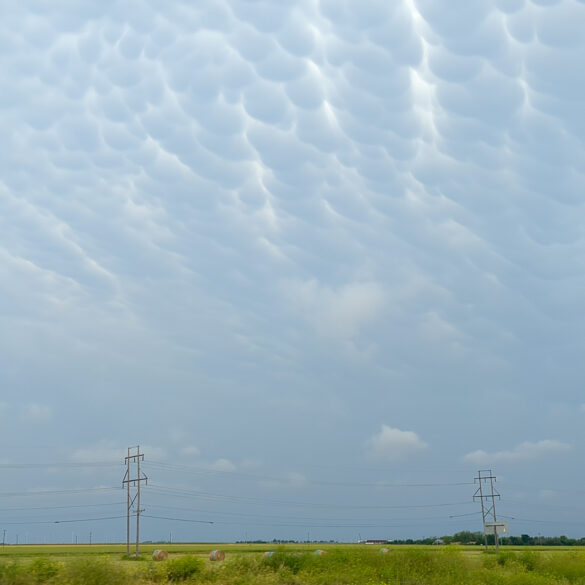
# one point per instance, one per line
(245, 564)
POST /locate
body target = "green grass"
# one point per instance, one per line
(292, 565)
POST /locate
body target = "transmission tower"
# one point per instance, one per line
(132, 480)
(487, 494)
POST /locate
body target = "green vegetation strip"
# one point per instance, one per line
(291, 565)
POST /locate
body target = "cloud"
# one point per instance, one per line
(251, 464)
(296, 479)
(291, 479)
(341, 313)
(224, 465)
(204, 201)
(392, 444)
(106, 451)
(103, 451)
(36, 412)
(523, 452)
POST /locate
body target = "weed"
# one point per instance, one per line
(94, 571)
(42, 570)
(184, 568)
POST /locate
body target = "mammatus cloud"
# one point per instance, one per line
(392, 444)
(522, 452)
(203, 202)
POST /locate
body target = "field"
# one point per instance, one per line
(291, 565)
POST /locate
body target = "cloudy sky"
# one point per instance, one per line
(323, 260)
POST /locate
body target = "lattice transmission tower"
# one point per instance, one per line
(487, 494)
(133, 479)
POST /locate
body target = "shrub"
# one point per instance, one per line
(184, 567)
(43, 570)
(505, 557)
(294, 562)
(156, 572)
(94, 571)
(13, 574)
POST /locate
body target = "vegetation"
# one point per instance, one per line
(298, 565)
(467, 537)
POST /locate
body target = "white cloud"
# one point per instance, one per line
(106, 451)
(291, 479)
(392, 444)
(341, 312)
(251, 464)
(522, 452)
(223, 465)
(36, 412)
(296, 479)
(547, 495)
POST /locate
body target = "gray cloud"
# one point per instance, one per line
(242, 205)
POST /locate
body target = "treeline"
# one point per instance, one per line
(467, 537)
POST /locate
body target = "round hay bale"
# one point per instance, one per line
(216, 555)
(384, 550)
(268, 553)
(160, 555)
(320, 553)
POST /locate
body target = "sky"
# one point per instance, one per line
(322, 260)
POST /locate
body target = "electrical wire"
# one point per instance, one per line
(60, 507)
(275, 518)
(23, 523)
(179, 492)
(178, 519)
(57, 492)
(257, 477)
(59, 464)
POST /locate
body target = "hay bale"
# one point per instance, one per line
(160, 555)
(216, 555)
(384, 550)
(320, 553)
(268, 553)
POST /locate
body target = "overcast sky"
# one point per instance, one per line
(306, 254)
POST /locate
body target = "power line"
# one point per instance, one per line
(257, 477)
(57, 492)
(23, 523)
(264, 516)
(60, 507)
(180, 492)
(178, 519)
(58, 464)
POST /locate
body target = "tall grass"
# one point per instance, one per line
(340, 566)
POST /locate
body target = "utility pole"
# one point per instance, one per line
(488, 503)
(132, 484)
